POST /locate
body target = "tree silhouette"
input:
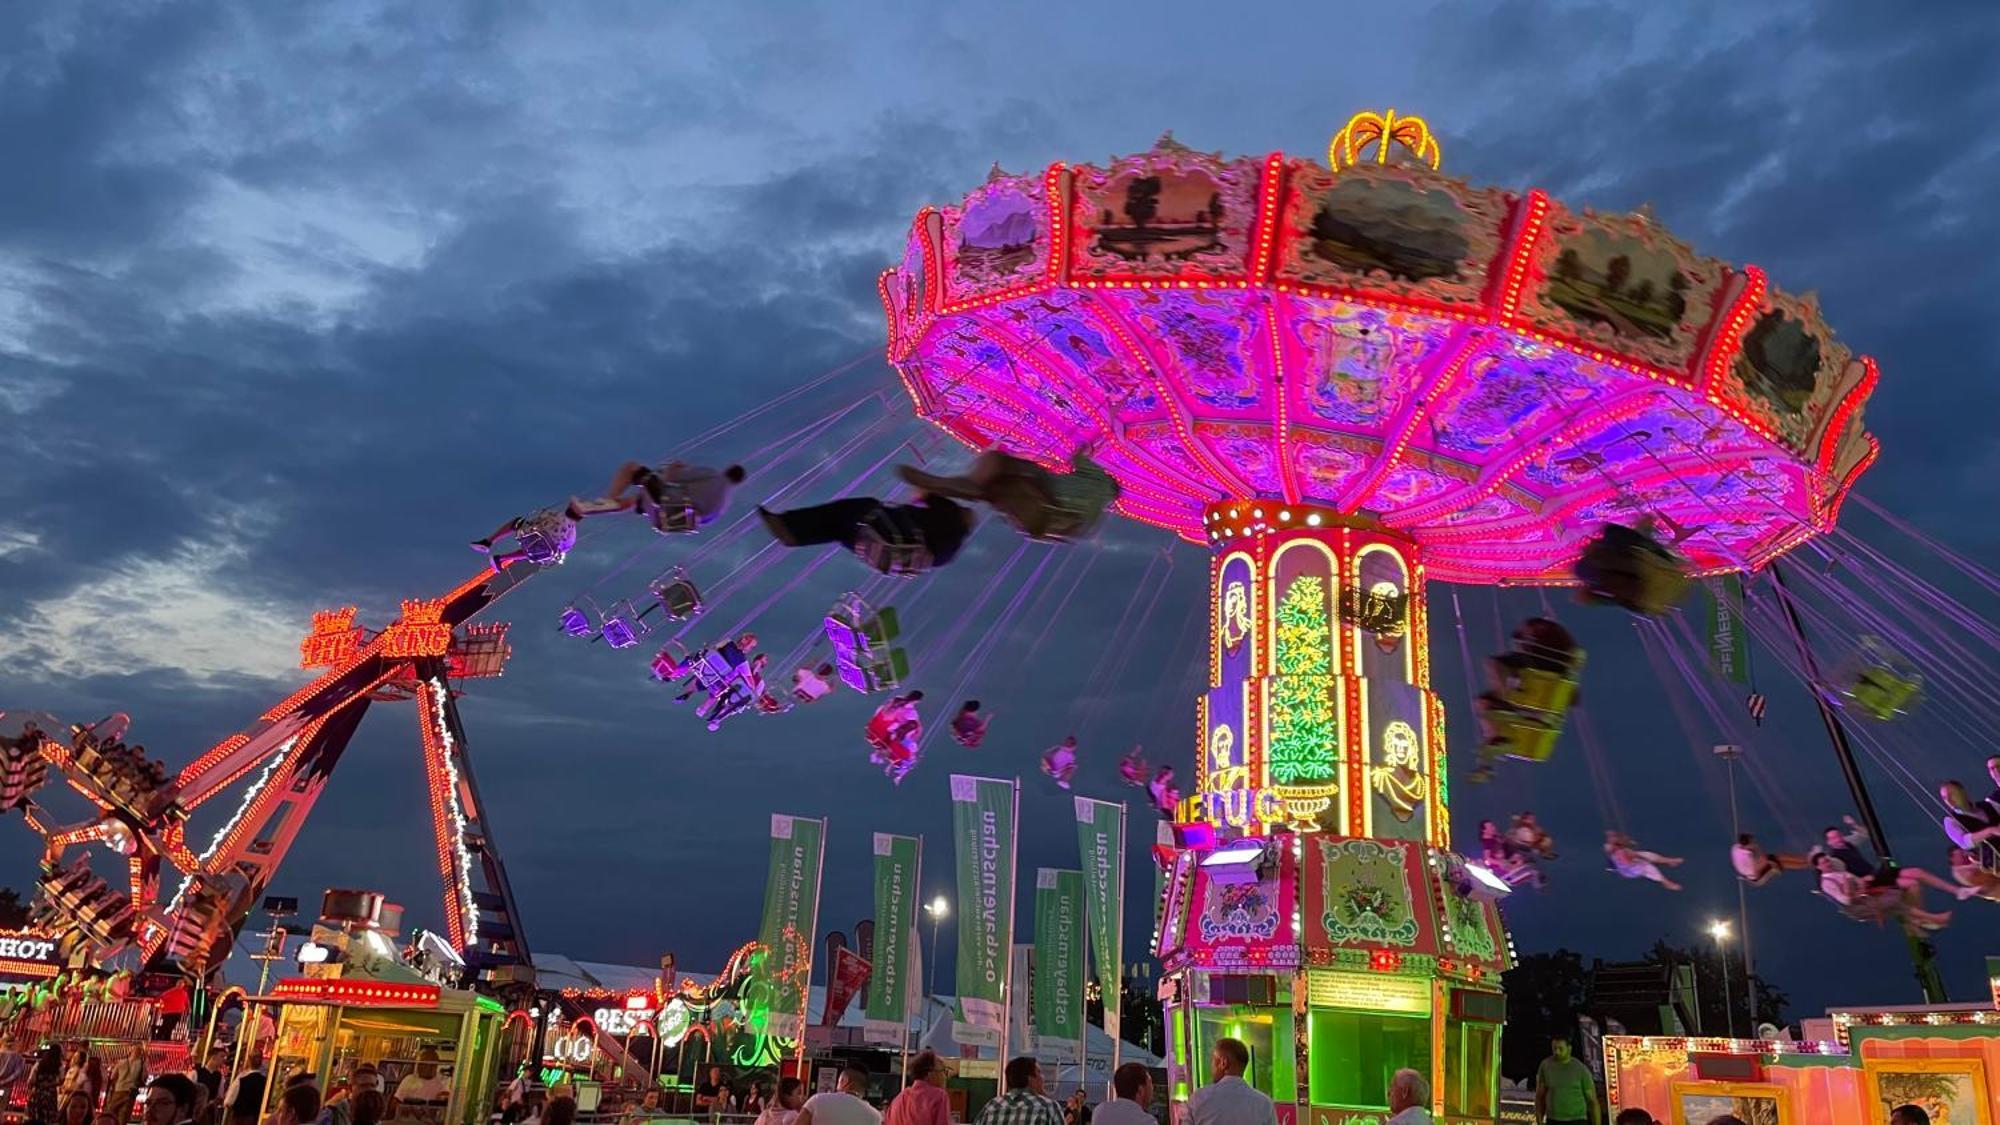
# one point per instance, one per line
(1677, 301)
(1215, 208)
(1616, 273)
(1712, 1015)
(1142, 200)
(1545, 991)
(1568, 266)
(13, 912)
(1642, 293)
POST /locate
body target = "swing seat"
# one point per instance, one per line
(1623, 566)
(623, 626)
(677, 594)
(1540, 702)
(666, 505)
(1883, 693)
(891, 543)
(670, 663)
(863, 654)
(547, 537)
(578, 620)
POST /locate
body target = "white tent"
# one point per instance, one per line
(931, 1027)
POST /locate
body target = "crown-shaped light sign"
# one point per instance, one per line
(1383, 130)
(420, 631)
(333, 640)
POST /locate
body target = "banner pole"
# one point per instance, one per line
(805, 988)
(1083, 994)
(909, 942)
(1007, 977)
(1115, 1019)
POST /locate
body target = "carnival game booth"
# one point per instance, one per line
(1337, 961)
(435, 1046)
(1943, 1058)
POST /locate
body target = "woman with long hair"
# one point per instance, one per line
(45, 1086)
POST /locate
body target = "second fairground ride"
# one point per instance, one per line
(1350, 379)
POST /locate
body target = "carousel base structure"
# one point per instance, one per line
(1337, 961)
(1315, 910)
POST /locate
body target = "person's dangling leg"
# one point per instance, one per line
(1910, 878)
(511, 527)
(835, 522)
(973, 484)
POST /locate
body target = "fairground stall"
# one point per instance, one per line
(1942, 1058)
(358, 1000)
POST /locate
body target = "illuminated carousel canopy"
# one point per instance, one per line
(1490, 374)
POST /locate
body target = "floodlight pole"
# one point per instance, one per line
(1923, 955)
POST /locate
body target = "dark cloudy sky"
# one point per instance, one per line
(295, 299)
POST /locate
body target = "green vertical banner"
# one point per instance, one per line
(984, 811)
(1728, 645)
(1058, 1011)
(791, 918)
(896, 875)
(1100, 837)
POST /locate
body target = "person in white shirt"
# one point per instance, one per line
(844, 1106)
(1227, 1099)
(810, 685)
(422, 1085)
(1409, 1097)
(1756, 866)
(1133, 1085)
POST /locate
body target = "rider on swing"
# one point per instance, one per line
(893, 732)
(1628, 567)
(705, 490)
(1059, 761)
(968, 727)
(542, 538)
(1541, 645)
(1043, 504)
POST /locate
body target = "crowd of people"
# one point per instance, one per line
(76, 1084)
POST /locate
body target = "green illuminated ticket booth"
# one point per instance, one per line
(437, 1049)
(1343, 962)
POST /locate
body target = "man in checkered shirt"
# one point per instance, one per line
(1024, 1103)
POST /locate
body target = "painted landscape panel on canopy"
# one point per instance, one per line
(1356, 366)
(1789, 372)
(1408, 232)
(1327, 465)
(1513, 389)
(998, 239)
(1166, 213)
(1621, 282)
(1208, 342)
